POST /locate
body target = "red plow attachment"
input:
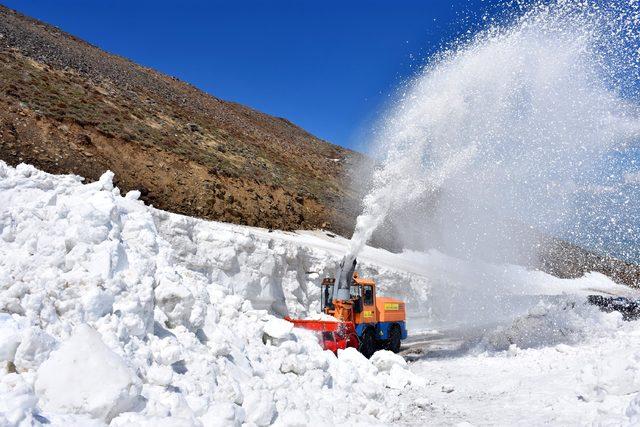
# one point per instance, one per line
(332, 336)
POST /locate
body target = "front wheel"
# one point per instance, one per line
(367, 343)
(395, 335)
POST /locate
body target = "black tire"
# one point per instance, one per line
(395, 335)
(367, 343)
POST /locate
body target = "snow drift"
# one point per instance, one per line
(115, 312)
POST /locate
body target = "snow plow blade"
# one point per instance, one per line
(332, 335)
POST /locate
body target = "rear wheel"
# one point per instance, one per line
(395, 335)
(367, 343)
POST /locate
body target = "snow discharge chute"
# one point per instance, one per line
(344, 278)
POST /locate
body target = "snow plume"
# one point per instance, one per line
(495, 134)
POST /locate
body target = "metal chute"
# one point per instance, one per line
(344, 278)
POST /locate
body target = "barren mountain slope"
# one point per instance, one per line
(67, 106)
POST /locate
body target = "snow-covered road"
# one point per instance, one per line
(112, 312)
(594, 382)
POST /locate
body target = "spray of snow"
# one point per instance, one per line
(505, 129)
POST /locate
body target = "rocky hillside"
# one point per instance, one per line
(67, 106)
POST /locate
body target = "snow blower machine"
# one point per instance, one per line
(360, 318)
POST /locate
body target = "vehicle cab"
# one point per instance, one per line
(379, 321)
(362, 295)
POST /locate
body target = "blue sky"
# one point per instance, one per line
(328, 66)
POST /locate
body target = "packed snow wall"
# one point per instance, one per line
(277, 271)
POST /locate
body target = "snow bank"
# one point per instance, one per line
(160, 319)
(114, 312)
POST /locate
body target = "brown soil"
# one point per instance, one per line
(68, 107)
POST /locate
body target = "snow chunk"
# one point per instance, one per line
(400, 377)
(352, 367)
(133, 195)
(85, 376)
(278, 328)
(106, 181)
(160, 375)
(260, 407)
(97, 303)
(223, 414)
(175, 301)
(26, 170)
(384, 360)
(18, 401)
(34, 349)
(10, 336)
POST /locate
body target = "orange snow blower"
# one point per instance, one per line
(362, 319)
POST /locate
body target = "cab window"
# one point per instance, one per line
(356, 291)
(368, 295)
(327, 296)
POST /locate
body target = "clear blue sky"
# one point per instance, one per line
(328, 66)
